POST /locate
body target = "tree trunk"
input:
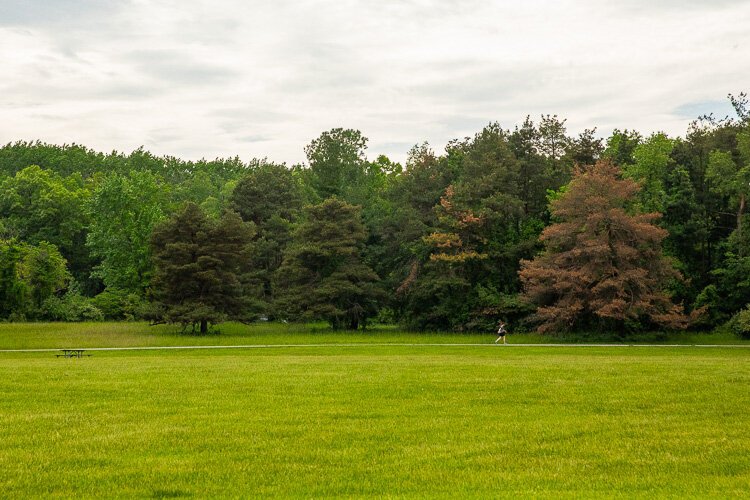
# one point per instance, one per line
(740, 213)
(204, 326)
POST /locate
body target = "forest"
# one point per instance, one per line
(530, 225)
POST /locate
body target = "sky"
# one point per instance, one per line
(255, 79)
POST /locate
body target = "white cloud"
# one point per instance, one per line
(199, 78)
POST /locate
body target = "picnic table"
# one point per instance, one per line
(72, 353)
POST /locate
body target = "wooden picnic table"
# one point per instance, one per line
(72, 353)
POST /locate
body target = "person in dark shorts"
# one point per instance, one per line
(501, 333)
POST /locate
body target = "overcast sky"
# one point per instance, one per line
(208, 78)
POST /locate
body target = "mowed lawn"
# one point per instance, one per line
(400, 421)
(124, 334)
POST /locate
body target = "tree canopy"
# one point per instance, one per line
(436, 243)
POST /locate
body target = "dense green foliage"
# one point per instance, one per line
(323, 275)
(444, 233)
(200, 268)
(29, 278)
(123, 211)
(741, 323)
(270, 197)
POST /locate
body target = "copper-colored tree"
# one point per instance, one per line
(602, 267)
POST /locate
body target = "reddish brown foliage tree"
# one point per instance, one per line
(602, 267)
(460, 243)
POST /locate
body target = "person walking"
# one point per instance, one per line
(501, 333)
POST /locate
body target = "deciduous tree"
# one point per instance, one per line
(123, 210)
(39, 205)
(29, 275)
(731, 178)
(337, 162)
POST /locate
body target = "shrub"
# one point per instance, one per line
(119, 304)
(707, 309)
(740, 323)
(71, 307)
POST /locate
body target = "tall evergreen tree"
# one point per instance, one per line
(323, 276)
(532, 178)
(553, 143)
(464, 270)
(270, 197)
(602, 267)
(682, 219)
(200, 268)
(406, 214)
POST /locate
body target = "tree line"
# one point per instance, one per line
(529, 225)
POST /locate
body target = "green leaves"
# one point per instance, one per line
(722, 173)
(445, 233)
(123, 211)
(337, 162)
(40, 205)
(652, 160)
(29, 276)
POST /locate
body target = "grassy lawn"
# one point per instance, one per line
(61, 335)
(364, 421)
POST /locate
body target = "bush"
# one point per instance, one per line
(71, 307)
(740, 323)
(707, 309)
(118, 304)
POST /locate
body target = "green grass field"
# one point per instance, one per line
(396, 421)
(61, 335)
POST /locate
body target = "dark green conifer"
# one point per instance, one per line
(323, 276)
(200, 265)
